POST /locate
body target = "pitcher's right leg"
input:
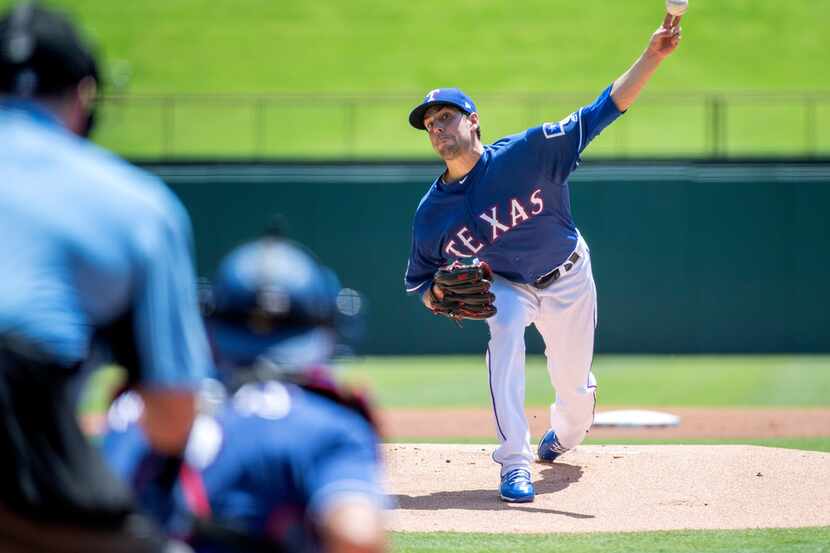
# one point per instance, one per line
(516, 307)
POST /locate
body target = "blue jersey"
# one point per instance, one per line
(94, 251)
(512, 209)
(272, 461)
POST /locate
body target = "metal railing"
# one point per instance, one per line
(711, 125)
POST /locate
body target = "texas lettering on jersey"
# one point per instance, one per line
(516, 214)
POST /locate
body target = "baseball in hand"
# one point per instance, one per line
(677, 7)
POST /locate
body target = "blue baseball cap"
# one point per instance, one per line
(440, 96)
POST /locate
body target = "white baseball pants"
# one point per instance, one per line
(565, 314)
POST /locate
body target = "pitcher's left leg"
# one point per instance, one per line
(566, 321)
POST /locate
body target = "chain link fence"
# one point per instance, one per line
(317, 126)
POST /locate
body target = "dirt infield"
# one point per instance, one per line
(695, 423)
(441, 487)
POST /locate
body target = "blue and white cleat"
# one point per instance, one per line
(549, 447)
(516, 487)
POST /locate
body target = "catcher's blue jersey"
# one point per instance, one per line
(93, 248)
(512, 209)
(272, 461)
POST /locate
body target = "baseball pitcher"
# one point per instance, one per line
(499, 216)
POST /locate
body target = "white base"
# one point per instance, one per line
(635, 418)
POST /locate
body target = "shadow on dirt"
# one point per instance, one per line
(553, 478)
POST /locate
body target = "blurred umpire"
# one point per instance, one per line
(289, 460)
(95, 264)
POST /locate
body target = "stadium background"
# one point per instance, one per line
(690, 255)
(705, 207)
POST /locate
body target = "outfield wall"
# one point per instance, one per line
(688, 257)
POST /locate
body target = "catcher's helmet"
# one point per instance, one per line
(273, 306)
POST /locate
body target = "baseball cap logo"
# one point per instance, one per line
(431, 95)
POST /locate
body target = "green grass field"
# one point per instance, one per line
(633, 380)
(625, 380)
(354, 46)
(801, 540)
(393, 52)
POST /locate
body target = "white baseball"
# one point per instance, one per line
(677, 7)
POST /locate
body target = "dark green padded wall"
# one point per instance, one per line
(687, 257)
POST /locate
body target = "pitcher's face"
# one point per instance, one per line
(451, 131)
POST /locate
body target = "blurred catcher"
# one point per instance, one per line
(95, 266)
(288, 460)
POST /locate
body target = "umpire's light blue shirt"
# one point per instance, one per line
(88, 241)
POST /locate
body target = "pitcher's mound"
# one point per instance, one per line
(441, 487)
